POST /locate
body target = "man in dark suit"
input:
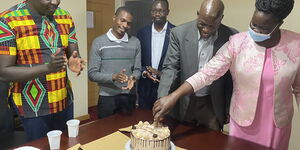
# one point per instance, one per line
(154, 40)
(191, 46)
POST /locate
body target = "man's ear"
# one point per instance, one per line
(168, 11)
(114, 17)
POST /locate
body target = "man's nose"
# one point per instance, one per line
(206, 29)
(125, 25)
(157, 14)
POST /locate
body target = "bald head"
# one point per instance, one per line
(212, 8)
(209, 18)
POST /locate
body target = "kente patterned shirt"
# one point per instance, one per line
(33, 38)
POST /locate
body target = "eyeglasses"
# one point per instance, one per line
(158, 11)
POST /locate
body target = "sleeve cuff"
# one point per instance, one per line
(192, 82)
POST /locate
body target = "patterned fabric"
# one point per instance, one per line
(263, 131)
(32, 38)
(245, 59)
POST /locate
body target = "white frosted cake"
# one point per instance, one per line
(145, 136)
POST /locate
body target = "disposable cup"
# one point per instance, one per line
(73, 127)
(54, 139)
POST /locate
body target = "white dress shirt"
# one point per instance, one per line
(157, 43)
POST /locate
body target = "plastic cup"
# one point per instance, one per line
(54, 139)
(73, 127)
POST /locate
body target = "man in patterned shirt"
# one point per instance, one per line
(37, 42)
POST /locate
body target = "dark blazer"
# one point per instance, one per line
(181, 62)
(147, 89)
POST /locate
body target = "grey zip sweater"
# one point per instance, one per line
(109, 57)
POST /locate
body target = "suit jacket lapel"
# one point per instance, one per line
(165, 46)
(219, 41)
(149, 45)
(191, 44)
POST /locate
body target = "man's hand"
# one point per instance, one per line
(120, 77)
(162, 107)
(148, 75)
(58, 62)
(76, 64)
(130, 83)
(153, 71)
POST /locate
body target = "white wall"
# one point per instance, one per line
(78, 12)
(237, 13)
(119, 3)
(77, 8)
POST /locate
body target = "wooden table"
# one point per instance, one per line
(182, 135)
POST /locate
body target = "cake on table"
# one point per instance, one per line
(145, 136)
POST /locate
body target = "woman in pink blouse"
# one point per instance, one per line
(264, 63)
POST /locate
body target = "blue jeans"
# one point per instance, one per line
(38, 127)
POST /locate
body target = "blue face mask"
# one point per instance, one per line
(259, 37)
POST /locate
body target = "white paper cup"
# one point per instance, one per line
(73, 127)
(54, 139)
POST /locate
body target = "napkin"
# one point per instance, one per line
(115, 141)
(75, 147)
(126, 129)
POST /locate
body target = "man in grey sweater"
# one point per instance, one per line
(115, 64)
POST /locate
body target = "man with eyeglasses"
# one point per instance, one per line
(192, 45)
(154, 40)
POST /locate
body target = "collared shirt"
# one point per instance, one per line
(205, 53)
(157, 44)
(113, 38)
(33, 38)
